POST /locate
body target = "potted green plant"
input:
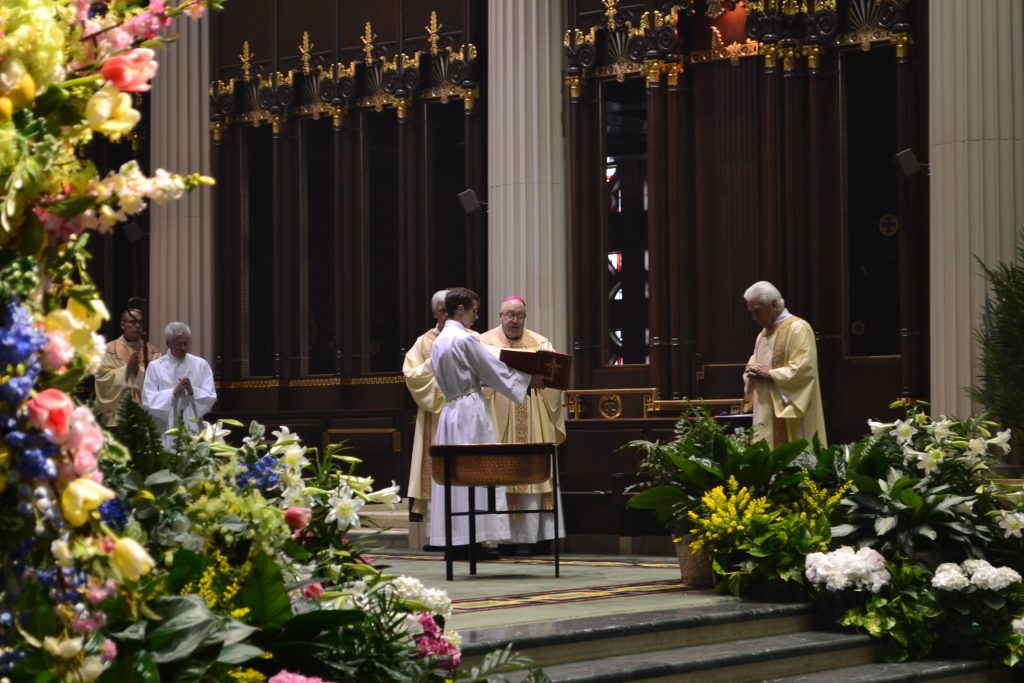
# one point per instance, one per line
(1001, 343)
(704, 456)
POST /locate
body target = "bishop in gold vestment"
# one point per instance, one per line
(123, 367)
(781, 377)
(539, 419)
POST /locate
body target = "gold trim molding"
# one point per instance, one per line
(272, 383)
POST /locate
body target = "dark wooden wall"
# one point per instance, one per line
(342, 134)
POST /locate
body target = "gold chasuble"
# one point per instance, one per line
(419, 378)
(113, 383)
(788, 407)
(539, 419)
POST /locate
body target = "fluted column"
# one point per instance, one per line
(526, 166)
(976, 150)
(181, 278)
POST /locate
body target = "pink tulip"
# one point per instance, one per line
(131, 71)
(49, 411)
(313, 591)
(297, 517)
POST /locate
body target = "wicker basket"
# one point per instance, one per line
(494, 470)
(694, 568)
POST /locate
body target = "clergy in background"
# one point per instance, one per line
(123, 367)
(179, 386)
(538, 419)
(781, 378)
(462, 365)
(419, 379)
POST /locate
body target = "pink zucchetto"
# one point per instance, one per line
(514, 298)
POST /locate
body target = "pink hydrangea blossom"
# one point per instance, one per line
(57, 352)
(108, 651)
(288, 677)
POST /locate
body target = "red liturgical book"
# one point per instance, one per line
(555, 366)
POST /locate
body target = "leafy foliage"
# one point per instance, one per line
(1001, 342)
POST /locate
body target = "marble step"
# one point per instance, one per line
(734, 661)
(945, 670)
(551, 643)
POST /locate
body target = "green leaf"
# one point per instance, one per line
(71, 206)
(884, 525)
(136, 667)
(911, 498)
(188, 623)
(306, 626)
(264, 594)
(238, 653)
(32, 236)
(657, 497)
(163, 482)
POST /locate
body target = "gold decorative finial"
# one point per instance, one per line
(246, 58)
(610, 10)
(434, 34)
(368, 38)
(305, 49)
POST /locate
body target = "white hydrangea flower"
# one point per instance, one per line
(1018, 625)
(438, 601)
(949, 577)
(994, 578)
(971, 566)
(407, 587)
(844, 569)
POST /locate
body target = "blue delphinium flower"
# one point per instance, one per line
(262, 474)
(19, 338)
(114, 513)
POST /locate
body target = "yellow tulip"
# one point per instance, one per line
(131, 559)
(91, 315)
(81, 497)
(109, 111)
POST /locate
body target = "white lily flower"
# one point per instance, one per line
(388, 496)
(1012, 523)
(976, 446)
(905, 431)
(358, 484)
(213, 433)
(940, 429)
(878, 427)
(293, 456)
(930, 461)
(344, 508)
(1001, 440)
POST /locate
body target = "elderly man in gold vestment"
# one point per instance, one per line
(539, 419)
(419, 378)
(123, 367)
(781, 377)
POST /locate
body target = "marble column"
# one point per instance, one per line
(976, 155)
(526, 219)
(181, 277)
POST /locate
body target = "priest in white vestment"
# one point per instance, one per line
(781, 378)
(123, 367)
(178, 386)
(538, 419)
(461, 367)
(419, 379)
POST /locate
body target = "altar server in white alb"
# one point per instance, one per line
(178, 386)
(461, 366)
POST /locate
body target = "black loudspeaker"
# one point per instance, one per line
(470, 204)
(907, 162)
(133, 233)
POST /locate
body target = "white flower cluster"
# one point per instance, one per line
(1018, 625)
(944, 447)
(845, 568)
(410, 588)
(979, 573)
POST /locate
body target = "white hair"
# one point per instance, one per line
(438, 298)
(764, 292)
(176, 329)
